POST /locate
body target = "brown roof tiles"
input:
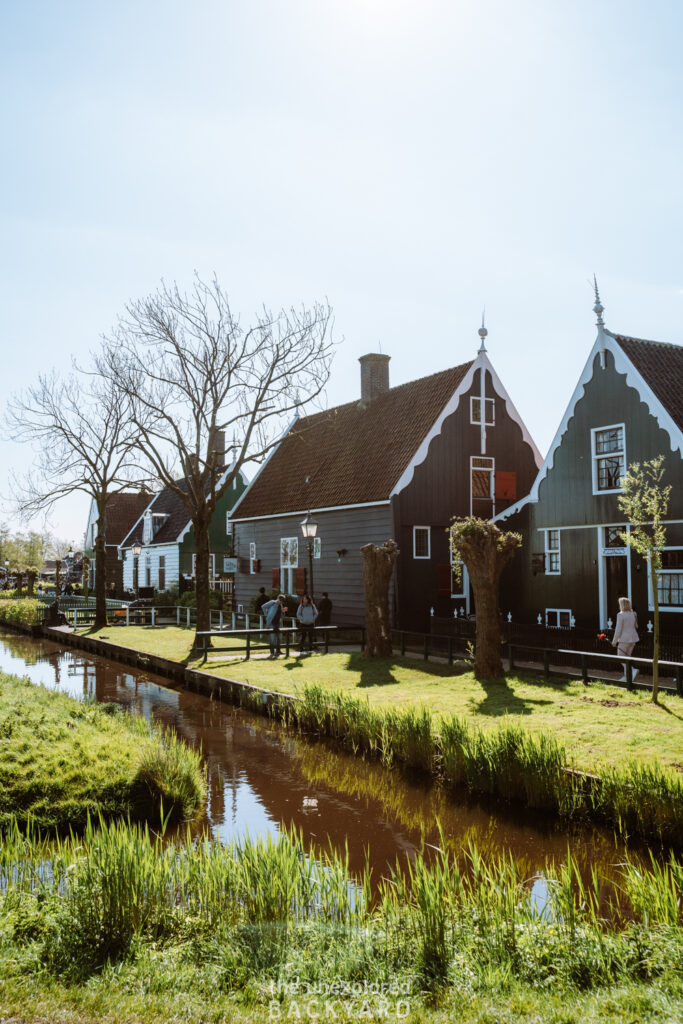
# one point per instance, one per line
(351, 454)
(122, 511)
(661, 367)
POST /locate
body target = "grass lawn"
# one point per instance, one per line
(598, 724)
(60, 759)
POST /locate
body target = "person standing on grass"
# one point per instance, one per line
(306, 614)
(324, 610)
(273, 613)
(626, 633)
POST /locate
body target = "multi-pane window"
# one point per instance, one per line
(613, 537)
(289, 552)
(558, 618)
(552, 553)
(489, 410)
(317, 547)
(421, 542)
(482, 469)
(670, 579)
(228, 525)
(609, 458)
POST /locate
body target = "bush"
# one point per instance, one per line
(166, 598)
(24, 611)
(189, 599)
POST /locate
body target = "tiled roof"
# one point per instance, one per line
(661, 367)
(122, 511)
(351, 454)
(167, 503)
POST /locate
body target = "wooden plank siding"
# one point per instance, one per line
(348, 528)
(440, 489)
(566, 502)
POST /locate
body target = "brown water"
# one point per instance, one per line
(260, 775)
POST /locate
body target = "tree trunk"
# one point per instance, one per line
(100, 567)
(30, 583)
(655, 638)
(378, 565)
(201, 538)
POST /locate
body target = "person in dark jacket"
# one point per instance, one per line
(324, 610)
(272, 610)
(260, 601)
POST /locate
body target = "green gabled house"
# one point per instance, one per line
(573, 565)
(165, 537)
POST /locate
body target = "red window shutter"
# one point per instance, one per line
(300, 581)
(444, 577)
(256, 565)
(506, 485)
(276, 579)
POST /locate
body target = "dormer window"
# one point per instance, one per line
(147, 528)
(609, 458)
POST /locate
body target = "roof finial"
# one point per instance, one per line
(598, 308)
(482, 332)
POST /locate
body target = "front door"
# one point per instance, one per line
(616, 579)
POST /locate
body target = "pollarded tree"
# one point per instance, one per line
(187, 370)
(485, 550)
(645, 501)
(83, 441)
(378, 565)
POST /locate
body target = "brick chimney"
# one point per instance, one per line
(218, 446)
(374, 375)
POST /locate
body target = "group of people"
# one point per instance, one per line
(308, 616)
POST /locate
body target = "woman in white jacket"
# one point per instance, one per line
(626, 632)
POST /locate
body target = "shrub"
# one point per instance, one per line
(166, 598)
(24, 611)
(189, 599)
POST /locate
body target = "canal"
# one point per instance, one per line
(261, 776)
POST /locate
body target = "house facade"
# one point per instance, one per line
(399, 463)
(573, 565)
(123, 510)
(166, 539)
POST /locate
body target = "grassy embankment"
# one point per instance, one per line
(61, 760)
(127, 927)
(599, 725)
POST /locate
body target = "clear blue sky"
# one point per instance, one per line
(411, 160)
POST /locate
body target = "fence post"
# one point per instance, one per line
(75, 617)
(188, 616)
(286, 645)
(584, 668)
(248, 647)
(511, 657)
(127, 615)
(679, 681)
(402, 635)
(450, 650)
(233, 620)
(546, 663)
(629, 675)
(154, 616)
(220, 619)
(327, 641)
(177, 615)
(426, 652)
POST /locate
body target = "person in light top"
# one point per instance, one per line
(626, 632)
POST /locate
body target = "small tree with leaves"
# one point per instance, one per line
(645, 502)
(485, 550)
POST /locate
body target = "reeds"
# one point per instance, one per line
(276, 907)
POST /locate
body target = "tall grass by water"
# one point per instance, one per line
(507, 762)
(270, 908)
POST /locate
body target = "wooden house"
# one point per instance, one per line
(165, 536)
(398, 463)
(573, 566)
(123, 510)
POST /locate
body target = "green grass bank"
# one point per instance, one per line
(62, 760)
(129, 927)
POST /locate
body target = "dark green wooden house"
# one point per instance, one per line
(573, 566)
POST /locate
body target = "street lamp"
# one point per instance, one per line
(136, 551)
(309, 528)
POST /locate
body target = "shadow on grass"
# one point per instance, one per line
(501, 699)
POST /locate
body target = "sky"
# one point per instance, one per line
(412, 161)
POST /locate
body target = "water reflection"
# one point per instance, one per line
(259, 776)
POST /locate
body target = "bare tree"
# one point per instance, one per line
(485, 550)
(188, 370)
(83, 442)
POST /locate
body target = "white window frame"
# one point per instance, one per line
(317, 547)
(595, 458)
(252, 557)
(429, 543)
(292, 549)
(491, 469)
(663, 572)
(489, 405)
(558, 612)
(553, 551)
(229, 530)
(212, 566)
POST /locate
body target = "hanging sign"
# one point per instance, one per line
(613, 552)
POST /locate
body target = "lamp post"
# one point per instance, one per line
(309, 528)
(136, 551)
